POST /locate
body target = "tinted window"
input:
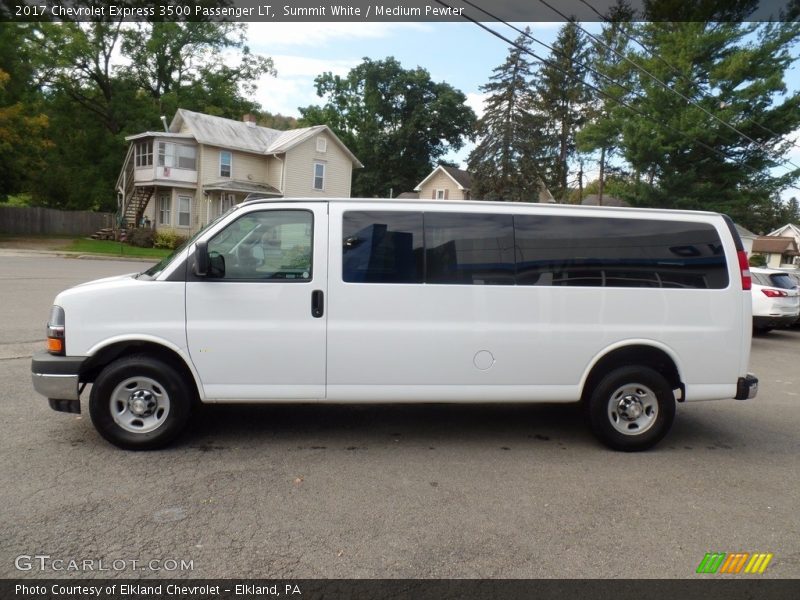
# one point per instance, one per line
(382, 247)
(587, 251)
(782, 280)
(469, 248)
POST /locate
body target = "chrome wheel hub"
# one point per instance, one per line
(632, 409)
(142, 403)
(139, 404)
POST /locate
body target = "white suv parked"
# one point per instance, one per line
(776, 299)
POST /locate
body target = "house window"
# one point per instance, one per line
(177, 156)
(319, 176)
(187, 157)
(184, 211)
(322, 144)
(225, 161)
(144, 154)
(166, 154)
(441, 194)
(164, 208)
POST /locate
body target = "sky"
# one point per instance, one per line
(460, 54)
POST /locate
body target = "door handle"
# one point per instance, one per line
(317, 304)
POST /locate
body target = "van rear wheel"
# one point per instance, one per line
(632, 408)
(140, 403)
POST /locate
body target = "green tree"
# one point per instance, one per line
(505, 163)
(23, 142)
(562, 99)
(185, 65)
(76, 59)
(608, 74)
(682, 149)
(92, 100)
(397, 121)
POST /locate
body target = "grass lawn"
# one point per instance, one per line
(114, 248)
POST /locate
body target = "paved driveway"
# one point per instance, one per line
(393, 491)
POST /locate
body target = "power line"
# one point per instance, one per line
(641, 69)
(677, 71)
(590, 86)
(562, 54)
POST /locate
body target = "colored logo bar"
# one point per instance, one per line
(732, 563)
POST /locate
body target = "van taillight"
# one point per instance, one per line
(744, 269)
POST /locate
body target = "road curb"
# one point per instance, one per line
(78, 255)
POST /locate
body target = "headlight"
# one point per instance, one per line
(55, 331)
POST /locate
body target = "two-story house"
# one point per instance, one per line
(182, 178)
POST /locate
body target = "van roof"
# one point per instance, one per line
(394, 202)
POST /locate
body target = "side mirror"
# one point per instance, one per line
(201, 259)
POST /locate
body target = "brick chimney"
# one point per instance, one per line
(249, 119)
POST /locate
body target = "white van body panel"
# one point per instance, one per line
(417, 342)
(251, 342)
(102, 312)
(254, 341)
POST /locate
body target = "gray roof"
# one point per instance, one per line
(227, 133)
(162, 134)
(241, 186)
(744, 233)
(408, 195)
(461, 177)
(238, 135)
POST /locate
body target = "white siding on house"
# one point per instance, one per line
(197, 210)
(300, 170)
(441, 181)
(291, 173)
(247, 167)
(275, 172)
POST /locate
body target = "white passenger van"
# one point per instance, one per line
(624, 310)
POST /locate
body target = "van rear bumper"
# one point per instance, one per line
(57, 378)
(746, 387)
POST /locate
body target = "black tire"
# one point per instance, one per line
(631, 408)
(140, 403)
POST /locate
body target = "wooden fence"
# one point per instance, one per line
(28, 220)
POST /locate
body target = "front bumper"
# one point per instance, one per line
(57, 379)
(746, 387)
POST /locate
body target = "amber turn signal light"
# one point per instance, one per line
(55, 345)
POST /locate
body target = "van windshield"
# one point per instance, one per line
(156, 269)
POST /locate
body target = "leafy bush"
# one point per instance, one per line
(141, 237)
(758, 260)
(168, 239)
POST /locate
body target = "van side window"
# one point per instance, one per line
(469, 248)
(611, 252)
(382, 247)
(544, 250)
(265, 245)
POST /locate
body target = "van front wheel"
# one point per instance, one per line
(632, 408)
(139, 403)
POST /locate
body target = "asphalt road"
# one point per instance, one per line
(389, 491)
